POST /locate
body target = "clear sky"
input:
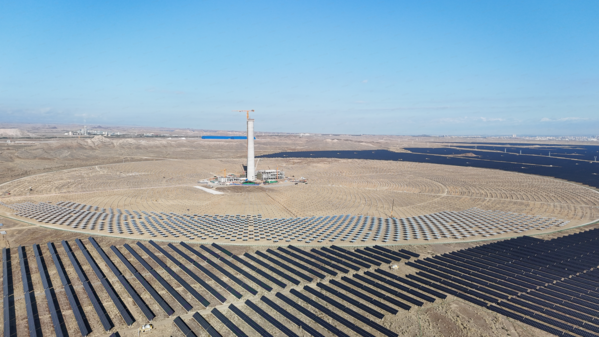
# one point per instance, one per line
(377, 67)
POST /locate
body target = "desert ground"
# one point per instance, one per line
(159, 175)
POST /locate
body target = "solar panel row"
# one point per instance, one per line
(169, 288)
(350, 312)
(183, 327)
(395, 253)
(8, 298)
(245, 274)
(227, 273)
(345, 257)
(293, 318)
(53, 306)
(273, 269)
(227, 322)
(297, 264)
(161, 302)
(321, 260)
(91, 293)
(348, 299)
(400, 287)
(202, 321)
(310, 314)
(412, 284)
(259, 271)
(332, 314)
(204, 270)
(174, 275)
(73, 301)
(29, 295)
(249, 321)
(365, 297)
(357, 257)
(141, 304)
(270, 319)
(308, 261)
(228, 253)
(374, 257)
(375, 292)
(284, 266)
(334, 259)
(376, 252)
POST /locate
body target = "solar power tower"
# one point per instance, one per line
(251, 170)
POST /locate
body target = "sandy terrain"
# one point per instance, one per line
(159, 175)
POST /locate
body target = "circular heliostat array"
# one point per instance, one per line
(344, 202)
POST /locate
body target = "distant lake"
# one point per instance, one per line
(573, 163)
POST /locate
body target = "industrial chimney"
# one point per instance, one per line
(251, 172)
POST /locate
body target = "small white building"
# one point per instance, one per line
(270, 174)
(230, 180)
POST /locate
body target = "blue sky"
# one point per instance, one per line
(377, 67)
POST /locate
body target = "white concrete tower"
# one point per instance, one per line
(251, 173)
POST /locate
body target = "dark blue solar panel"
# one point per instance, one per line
(375, 257)
(312, 263)
(348, 299)
(378, 293)
(183, 327)
(249, 321)
(285, 266)
(222, 249)
(224, 271)
(350, 312)
(210, 274)
(29, 295)
(270, 319)
(334, 259)
(346, 257)
(73, 300)
(159, 278)
(365, 297)
(134, 295)
(174, 275)
(400, 287)
(259, 271)
(295, 263)
(91, 293)
(291, 317)
(228, 323)
(204, 323)
(332, 314)
(356, 256)
(311, 315)
(273, 269)
(161, 302)
(321, 260)
(382, 253)
(412, 284)
(53, 305)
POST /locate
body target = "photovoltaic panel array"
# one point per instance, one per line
(303, 307)
(552, 284)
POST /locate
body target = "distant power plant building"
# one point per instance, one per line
(251, 174)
